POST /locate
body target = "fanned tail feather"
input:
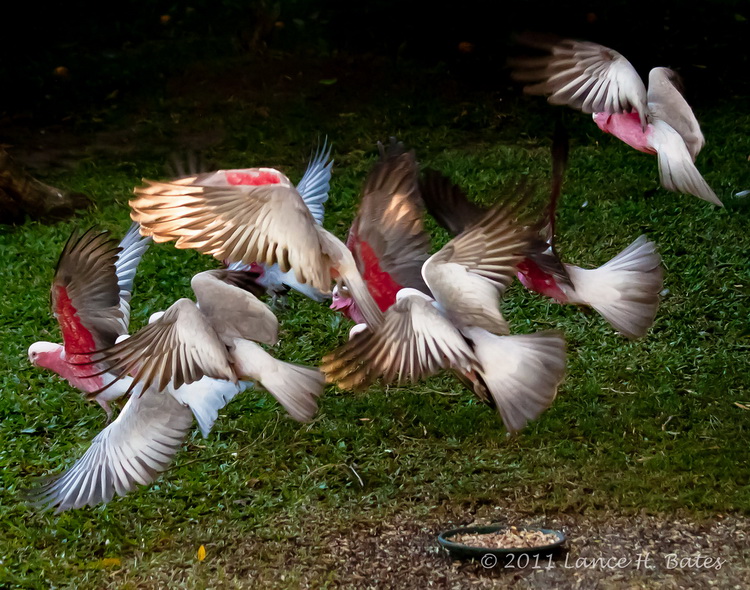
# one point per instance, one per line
(296, 388)
(520, 372)
(677, 171)
(625, 290)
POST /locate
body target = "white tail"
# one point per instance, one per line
(676, 169)
(521, 372)
(295, 387)
(625, 290)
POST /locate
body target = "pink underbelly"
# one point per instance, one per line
(626, 127)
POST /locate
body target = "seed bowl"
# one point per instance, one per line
(474, 542)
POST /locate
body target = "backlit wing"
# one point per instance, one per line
(414, 341)
(249, 223)
(387, 235)
(85, 294)
(586, 76)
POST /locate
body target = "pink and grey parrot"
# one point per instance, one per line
(625, 290)
(254, 216)
(459, 326)
(600, 81)
(387, 238)
(90, 299)
(313, 187)
(189, 362)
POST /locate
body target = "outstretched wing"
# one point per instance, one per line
(414, 341)
(180, 347)
(387, 236)
(448, 203)
(586, 76)
(315, 183)
(85, 294)
(132, 248)
(267, 223)
(468, 274)
(134, 449)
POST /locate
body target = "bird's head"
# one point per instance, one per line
(45, 354)
(343, 301)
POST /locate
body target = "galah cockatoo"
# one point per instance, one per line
(91, 301)
(600, 81)
(313, 187)
(625, 290)
(387, 238)
(190, 361)
(251, 217)
(460, 327)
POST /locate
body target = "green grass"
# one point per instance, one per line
(648, 425)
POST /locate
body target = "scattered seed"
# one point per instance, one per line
(511, 538)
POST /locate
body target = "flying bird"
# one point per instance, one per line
(217, 337)
(625, 290)
(313, 187)
(190, 361)
(387, 237)
(90, 298)
(598, 80)
(460, 327)
(253, 216)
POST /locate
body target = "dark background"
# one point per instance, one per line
(68, 56)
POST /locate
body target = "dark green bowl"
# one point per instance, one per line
(459, 551)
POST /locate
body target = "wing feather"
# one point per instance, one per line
(413, 334)
(586, 76)
(133, 449)
(315, 184)
(85, 295)
(132, 248)
(389, 219)
(448, 203)
(180, 347)
(469, 273)
(266, 223)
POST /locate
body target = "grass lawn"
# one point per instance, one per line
(651, 429)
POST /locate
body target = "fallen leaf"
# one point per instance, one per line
(201, 553)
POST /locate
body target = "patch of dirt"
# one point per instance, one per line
(603, 550)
